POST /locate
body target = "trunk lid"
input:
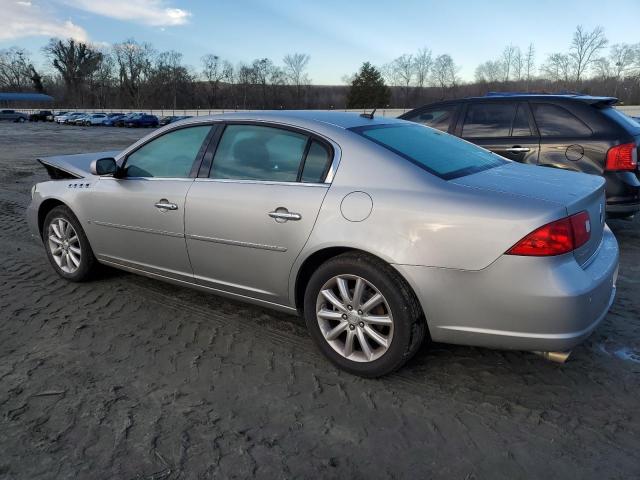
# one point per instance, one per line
(72, 166)
(575, 191)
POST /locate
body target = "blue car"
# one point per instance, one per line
(142, 120)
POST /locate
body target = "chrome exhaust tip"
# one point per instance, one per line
(556, 357)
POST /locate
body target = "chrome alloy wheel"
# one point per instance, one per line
(354, 318)
(64, 245)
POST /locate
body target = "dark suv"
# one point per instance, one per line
(574, 132)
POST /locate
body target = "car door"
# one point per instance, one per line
(138, 220)
(249, 216)
(505, 128)
(564, 139)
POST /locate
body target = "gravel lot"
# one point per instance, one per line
(127, 377)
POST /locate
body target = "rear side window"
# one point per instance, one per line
(439, 153)
(488, 120)
(316, 164)
(555, 121)
(630, 124)
(437, 117)
(252, 152)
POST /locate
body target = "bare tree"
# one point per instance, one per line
(507, 60)
(422, 63)
(295, 66)
(558, 67)
(134, 65)
(584, 49)
(215, 70)
(75, 61)
(490, 71)
(15, 69)
(444, 73)
(529, 64)
(517, 64)
(402, 69)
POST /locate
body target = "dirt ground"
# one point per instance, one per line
(129, 378)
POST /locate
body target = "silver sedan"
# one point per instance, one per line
(377, 231)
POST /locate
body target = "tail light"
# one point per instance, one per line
(622, 157)
(555, 238)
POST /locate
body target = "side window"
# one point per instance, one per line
(253, 152)
(437, 117)
(488, 120)
(316, 163)
(555, 121)
(521, 127)
(170, 155)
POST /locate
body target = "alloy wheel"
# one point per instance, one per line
(64, 245)
(354, 318)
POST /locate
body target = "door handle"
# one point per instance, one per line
(165, 204)
(518, 149)
(282, 215)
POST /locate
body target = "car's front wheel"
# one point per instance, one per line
(362, 315)
(67, 246)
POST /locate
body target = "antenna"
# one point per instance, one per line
(369, 115)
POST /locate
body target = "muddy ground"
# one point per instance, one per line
(129, 378)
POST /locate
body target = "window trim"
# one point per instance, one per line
(328, 174)
(193, 172)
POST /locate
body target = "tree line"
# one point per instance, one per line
(134, 74)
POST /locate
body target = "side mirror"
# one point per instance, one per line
(104, 166)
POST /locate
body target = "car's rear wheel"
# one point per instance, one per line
(67, 246)
(363, 315)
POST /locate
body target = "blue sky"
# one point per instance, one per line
(338, 34)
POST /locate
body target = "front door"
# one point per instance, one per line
(138, 220)
(248, 220)
(505, 128)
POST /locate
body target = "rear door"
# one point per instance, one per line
(505, 128)
(249, 216)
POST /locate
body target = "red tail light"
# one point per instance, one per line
(622, 157)
(555, 238)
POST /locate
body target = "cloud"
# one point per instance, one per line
(148, 12)
(23, 19)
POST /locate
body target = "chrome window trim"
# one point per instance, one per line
(262, 182)
(149, 179)
(335, 163)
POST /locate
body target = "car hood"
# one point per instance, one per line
(77, 166)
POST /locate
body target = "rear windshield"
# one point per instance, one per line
(437, 152)
(630, 124)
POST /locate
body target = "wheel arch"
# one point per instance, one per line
(45, 207)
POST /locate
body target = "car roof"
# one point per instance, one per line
(343, 120)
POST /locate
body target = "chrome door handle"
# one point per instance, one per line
(518, 149)
(282, 215)
(166, 205)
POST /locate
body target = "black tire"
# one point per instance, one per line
(409, 325)
(88, 264)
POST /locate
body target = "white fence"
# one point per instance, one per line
(389, 112)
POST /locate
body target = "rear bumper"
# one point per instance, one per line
(521, 303)
(623, 193)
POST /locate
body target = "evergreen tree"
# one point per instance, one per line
(368, 89)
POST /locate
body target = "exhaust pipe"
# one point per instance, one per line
(556, 357)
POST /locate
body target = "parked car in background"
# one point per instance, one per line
(13, 116)
(111, 119)
(172, 118)
(141, 120)
(94, 119)
(60, 116)
(323, 213)
(122, 120)
(78, 120)
(41, 116)
(69, 118)
(571, 132)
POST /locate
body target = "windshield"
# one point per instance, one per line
(437, 152)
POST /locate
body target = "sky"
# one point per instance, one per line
(337, 34)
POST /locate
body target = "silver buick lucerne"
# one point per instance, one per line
(376, 230)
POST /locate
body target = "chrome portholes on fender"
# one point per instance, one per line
(64, 245)
(354, 318)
